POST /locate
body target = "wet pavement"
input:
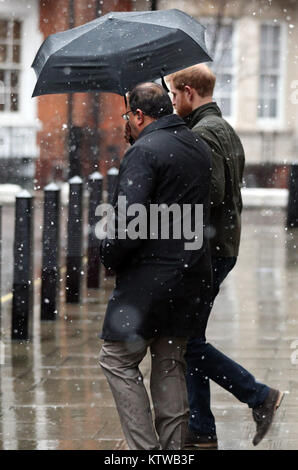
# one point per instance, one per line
(54, 395)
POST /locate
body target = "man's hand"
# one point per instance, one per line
(127, 134)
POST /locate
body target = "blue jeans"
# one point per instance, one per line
(204, 362)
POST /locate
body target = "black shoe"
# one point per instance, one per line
(202, 441)
(263, 414)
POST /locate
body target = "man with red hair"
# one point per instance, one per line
(192, 91)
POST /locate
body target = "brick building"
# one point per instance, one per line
(255, 48)
(34, 133)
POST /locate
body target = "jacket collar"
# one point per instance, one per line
(209, 109)
(172, 120)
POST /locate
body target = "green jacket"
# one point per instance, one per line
(227, 172)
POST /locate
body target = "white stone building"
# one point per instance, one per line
(255, 59)
(19, 37)
(256, 63)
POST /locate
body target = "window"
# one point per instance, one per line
(270, 71)
(219, 41)
(10, 64)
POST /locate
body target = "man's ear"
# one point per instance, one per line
(189, 92)
(140, 116)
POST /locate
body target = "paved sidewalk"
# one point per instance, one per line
(54, 395)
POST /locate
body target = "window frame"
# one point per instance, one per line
(28, 14)
(277, 122)
(233, 71)
(10, 66)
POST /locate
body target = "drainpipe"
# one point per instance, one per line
(95, 144)
(74, 133)
(71, 23)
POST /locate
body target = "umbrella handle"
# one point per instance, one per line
(164, 83)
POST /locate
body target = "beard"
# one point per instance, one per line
(183, 109)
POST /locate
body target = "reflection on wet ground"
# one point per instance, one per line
(54, 395)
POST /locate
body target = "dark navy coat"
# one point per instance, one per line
(159, 284)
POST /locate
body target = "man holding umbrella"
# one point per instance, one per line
(157, 298)
(159, 282)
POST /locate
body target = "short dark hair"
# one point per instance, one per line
(152, 99)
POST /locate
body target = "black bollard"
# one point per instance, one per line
(95, 198)
(292, 212)
(50, 274)
(0, 277)
(22, 301)
(74, 241)
(75, 140)
(112, 178)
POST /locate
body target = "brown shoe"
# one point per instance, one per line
(202, 441)
(263, 414)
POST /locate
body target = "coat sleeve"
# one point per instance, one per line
(137, 177)
(218, 169)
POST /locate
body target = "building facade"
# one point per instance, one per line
(35, 132)
(255, 49)
(18, 113)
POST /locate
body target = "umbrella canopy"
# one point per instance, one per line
(116, 51)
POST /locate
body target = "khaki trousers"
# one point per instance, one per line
(120, 363)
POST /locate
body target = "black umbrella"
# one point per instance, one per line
(116, 51)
